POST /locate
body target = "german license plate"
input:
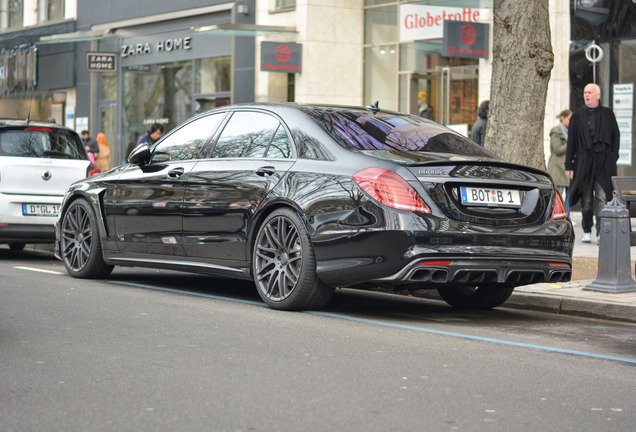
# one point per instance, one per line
(473, 196)
(40, 209)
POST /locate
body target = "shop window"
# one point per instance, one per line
(213, 75)
(247, 134)
(380, 25)
(186, 142)
(156, 94)
(380, 78)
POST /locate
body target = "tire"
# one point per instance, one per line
(482, 297)
(16, 246)
(80, 246)
(284, 264)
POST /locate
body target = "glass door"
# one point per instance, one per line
(107, 125)
(449, 92)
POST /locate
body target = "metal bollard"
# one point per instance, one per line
(614, 261)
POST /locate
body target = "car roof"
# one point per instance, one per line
(274, 106)
(12, 122)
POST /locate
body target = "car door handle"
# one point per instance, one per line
(177, 172)
(265, 171)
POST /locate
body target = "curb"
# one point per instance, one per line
(560, 305)
(572, 307)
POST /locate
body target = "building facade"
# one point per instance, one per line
(119, 66)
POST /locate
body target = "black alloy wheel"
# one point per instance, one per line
(284, 265)
(80, 246)
(482, 297)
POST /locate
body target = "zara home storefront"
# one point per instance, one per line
(168, 68)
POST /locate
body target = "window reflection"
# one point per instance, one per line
(280, 147)
(247, 134)
(186, 142)
(156, 94)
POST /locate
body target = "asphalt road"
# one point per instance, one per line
(151, 350)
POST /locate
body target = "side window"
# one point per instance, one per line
(186, 142)
(280, 147)
(247, 134)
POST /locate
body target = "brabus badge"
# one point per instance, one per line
(436, 172)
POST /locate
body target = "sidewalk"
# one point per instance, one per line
(569, 298)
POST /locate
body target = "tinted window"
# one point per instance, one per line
(364, 130)
(40, 142)
(280, 147)
(247, 134)
(186, 142)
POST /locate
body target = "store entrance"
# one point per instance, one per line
(451, 92)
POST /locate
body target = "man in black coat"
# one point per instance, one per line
(590, 157)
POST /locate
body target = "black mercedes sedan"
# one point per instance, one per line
(304, 199)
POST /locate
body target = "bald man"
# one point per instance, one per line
(590, 158)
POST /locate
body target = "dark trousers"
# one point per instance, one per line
(593, 200)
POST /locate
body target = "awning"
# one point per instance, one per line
(229, 29)
(78, 36)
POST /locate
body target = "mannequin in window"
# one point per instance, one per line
(426, 111)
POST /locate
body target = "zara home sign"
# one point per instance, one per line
(167, 45)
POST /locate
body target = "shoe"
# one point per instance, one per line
(573, 223)
(587, 238)
(598, 240)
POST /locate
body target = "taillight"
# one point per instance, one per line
(558, 210)
(390, 189)
(91, 171)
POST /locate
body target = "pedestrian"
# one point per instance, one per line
(90, 144)
(102, 159)
(590, 158)
(155, 132)
(478, 132)
(556, 163)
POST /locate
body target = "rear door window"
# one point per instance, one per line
(251, 134)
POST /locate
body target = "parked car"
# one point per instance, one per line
(38, 161)
(303, 199)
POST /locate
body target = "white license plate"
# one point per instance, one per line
(40, 209)
(473, 196)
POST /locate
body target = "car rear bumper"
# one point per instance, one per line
(392, 258)
(27, 233)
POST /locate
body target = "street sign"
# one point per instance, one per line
(101, 62)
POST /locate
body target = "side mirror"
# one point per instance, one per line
(140, 154)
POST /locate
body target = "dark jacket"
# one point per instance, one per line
(92, 144)
(593, 160)
(478, 133)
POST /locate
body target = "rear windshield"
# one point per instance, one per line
(40, 143)
(363, 130)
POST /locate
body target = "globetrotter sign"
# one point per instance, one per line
(420, 22)
(465, 39)
(281, 57)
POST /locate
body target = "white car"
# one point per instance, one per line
(38, 161)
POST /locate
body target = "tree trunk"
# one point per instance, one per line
(522, 61)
